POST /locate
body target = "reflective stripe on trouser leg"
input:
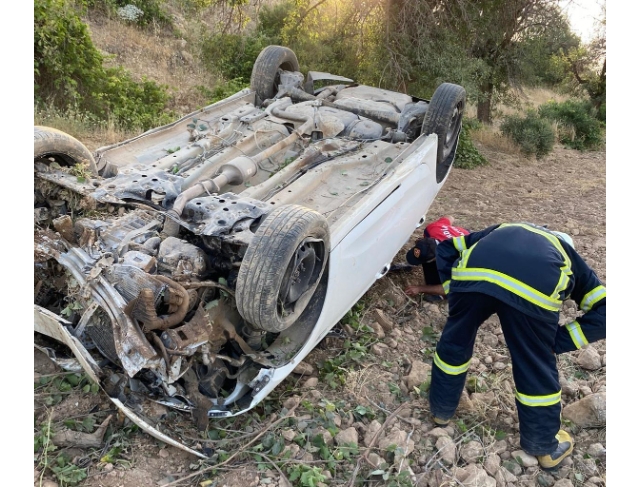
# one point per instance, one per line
(467, 311)
(535, 374)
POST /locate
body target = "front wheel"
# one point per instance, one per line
(282, 267)
(53, 144)
(444, 118)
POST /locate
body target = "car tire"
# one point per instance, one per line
(282, 267)
(65, 149)
(266, 70)
(444, 118)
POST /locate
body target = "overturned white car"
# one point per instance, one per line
(206, 258)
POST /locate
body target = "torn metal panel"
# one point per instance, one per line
(53, 326)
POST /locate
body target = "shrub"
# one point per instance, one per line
(69, 73)
(232, 55)
(534, 135)
(131, 103)
(578, 126)
(467, 155)
(67, 66)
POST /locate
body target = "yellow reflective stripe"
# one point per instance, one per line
(515, 286)
(450, 369)
(562, 285)
(459, 243)
(565, 270)
(575, 332)
(465, 256)
(534, 401)
(445, 285)
(592, 297)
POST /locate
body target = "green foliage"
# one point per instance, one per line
(305, 476)
(361, 411)
(333, 370)
(130, 103)
(223, 89)
(467, 155)
(69, 74)
(232, 55)
(578, 126)
(66, 472)
(537, 54)
(532, 133)
(53, 387)
(66, 64)
(272, 20)
(601, 113)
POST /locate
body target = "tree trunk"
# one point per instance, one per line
(484, 106)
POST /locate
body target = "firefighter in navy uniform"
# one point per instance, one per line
(523, 273)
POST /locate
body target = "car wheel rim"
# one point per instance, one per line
(302, 274)
(454, 126)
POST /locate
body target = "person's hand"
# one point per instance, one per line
(413, 290)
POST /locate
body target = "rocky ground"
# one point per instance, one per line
(356, 412)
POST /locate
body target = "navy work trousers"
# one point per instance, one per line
(535, 371)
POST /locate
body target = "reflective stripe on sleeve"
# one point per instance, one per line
(510, 284)
(450, 369)
(592, 297)
(446, 285)
(575, 331)
(535, 401)
(459, 243)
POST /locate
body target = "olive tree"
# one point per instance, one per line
(487, 35)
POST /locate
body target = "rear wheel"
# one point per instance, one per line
(282, 267)
(53, 144)
(265, 76)
(444, 118)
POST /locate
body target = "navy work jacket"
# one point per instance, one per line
(529, 268)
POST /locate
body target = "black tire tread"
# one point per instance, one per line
(48, 141)
(266, 259)
(265, 69)
(439, 113)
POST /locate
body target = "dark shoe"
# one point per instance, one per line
(401, 268)
(562, 451)
(442, 423)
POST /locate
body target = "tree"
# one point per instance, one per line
(588, 65)
(488, 33)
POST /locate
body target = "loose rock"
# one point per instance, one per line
(589, 412)
(589, 359)
(524, 458)
(418, 374)
(304, 368)
(472, 451)
(446, 450)
(344, 437)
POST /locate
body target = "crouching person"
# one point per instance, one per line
(523, 273)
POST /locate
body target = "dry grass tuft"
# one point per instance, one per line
(86, 131)
(529, 98)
